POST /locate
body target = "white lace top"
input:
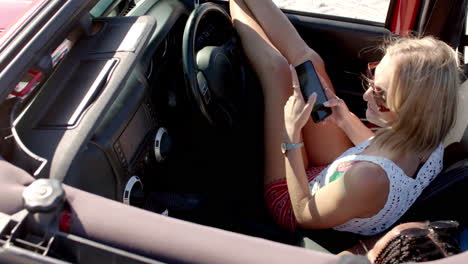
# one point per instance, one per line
(403, 189)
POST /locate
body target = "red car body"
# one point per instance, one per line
(14, 13)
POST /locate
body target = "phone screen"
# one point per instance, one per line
(310, 82)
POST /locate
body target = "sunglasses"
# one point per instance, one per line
(444, 227)
(377, 92)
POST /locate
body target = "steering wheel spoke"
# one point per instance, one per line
(203, 87)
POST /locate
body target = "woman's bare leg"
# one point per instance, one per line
(323, 142)
(273, 71)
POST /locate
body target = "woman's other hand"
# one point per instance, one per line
(340, 111)
(296, 111)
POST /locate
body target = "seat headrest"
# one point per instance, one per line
(459, 133)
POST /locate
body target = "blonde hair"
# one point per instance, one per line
(423, 92)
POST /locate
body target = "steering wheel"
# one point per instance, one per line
(213, 65)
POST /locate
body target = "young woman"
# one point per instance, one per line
(368, 187)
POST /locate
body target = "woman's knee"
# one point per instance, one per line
(279, 67)
(276, 80)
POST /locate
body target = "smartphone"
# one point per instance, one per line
(310, 82)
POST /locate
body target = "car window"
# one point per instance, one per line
(370, 10)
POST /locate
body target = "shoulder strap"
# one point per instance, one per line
(432, 167)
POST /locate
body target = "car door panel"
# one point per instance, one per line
(346, 48)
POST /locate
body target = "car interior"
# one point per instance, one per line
(152, 104)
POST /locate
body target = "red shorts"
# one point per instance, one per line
(278, 202)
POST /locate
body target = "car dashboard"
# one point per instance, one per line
(95, 122)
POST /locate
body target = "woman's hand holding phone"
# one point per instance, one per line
(297, 111)
(340, 111)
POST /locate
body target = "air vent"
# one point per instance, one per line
(129, 8)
